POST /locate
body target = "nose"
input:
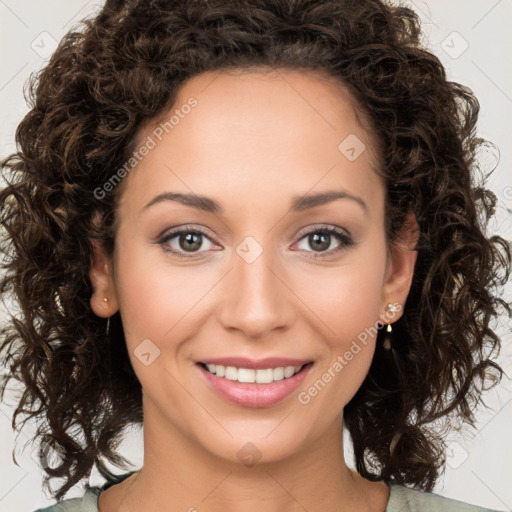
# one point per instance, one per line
(257, 299)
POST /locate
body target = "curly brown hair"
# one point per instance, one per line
(123, 68)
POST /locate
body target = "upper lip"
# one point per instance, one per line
(244, 362)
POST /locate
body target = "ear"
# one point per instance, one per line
(102, 282)
(400, 267)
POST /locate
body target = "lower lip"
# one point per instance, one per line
(255, 395)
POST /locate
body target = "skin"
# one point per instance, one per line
(255, 140)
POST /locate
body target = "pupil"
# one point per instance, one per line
(317, 237)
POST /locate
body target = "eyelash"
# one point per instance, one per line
(345, 239)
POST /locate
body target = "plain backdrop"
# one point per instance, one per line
(473, 39)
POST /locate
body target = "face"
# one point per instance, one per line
(268, 272)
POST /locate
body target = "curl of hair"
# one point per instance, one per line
(122, 68)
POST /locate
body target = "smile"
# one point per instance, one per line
(260, 376)
(253, 387)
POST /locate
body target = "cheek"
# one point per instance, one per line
(153, 296)
(161, 300)
(347, 298)
(348, 306)
(159, 305)
(359, 298)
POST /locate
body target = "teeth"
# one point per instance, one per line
(279, 373)
(261, 376)
(264, 376)
(289, 371)
(231, 372)
(243, 375)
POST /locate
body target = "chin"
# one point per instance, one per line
(258, 449)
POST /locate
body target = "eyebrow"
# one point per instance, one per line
(299, 203)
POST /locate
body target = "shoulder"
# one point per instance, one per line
(405, 499)
(87, 503)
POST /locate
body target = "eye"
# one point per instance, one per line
(185, 240)
(321, 239)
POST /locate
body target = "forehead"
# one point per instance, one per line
(257, 129)
(256, 97)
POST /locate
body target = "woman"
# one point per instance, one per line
(248, 225)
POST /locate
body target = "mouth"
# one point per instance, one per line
(254, 375)
(253, 387)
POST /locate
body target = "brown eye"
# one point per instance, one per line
(320, 240)
(185, 240)
(190, 241)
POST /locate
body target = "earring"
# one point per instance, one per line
(387, 340)
(108, 319)
(392, 308)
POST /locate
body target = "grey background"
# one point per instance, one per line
(478, 469)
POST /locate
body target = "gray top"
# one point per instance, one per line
(401, 499)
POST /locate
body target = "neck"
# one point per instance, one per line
(179, 474)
